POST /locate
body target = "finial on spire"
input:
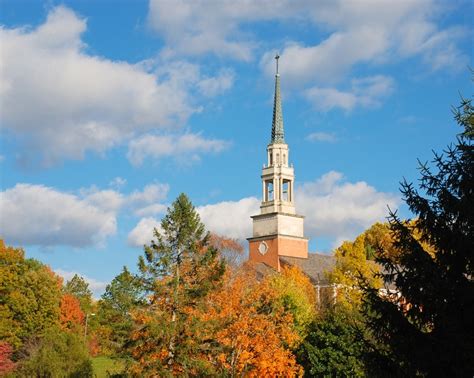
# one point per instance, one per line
(276, 58)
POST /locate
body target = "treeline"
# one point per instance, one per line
(403, 300)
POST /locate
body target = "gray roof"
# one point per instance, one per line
(315, 266)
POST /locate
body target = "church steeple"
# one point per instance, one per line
(277, 230)
(278, 133)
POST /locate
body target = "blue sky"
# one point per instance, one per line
(110, 109)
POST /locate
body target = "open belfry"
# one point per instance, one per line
(277, 231)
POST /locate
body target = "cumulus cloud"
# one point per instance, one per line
(364, 92)
(230, 218)
(213, 86)
(369, 31)
(186, 148)
(97, 287)
(39, 215)
(60, 101)
(340, 210)
(142, 233)
(44, 216)
(358, 31)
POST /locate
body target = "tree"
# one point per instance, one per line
(6, 363)
(114, 312)
(253, 330)
(71, 316)
(55, 353)
(178, 271)
(296, 294)
(334, 346)
(78, 287)
(29, 296)
(434, 333)
(352, 267)
(229, 249)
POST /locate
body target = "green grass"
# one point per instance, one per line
(104, 365)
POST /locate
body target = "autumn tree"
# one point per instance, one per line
(6, 363)
(434, 334)
(296, 293)
(71, 317)
(351, 268)
(231, 250)
(253, 330)
(178, 271)
(29, 296)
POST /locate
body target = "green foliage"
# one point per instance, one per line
(29, 296)
(78, 287)
(55, 354)
(334, 347)
(121, 297)
(430, 331)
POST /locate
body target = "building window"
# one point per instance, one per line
(278, 158)
(284, 159)
(271, 158)
(268, 190)
(285, 191)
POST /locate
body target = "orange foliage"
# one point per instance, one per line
(253, 333)
(71, 316)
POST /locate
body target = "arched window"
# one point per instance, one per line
(284, 159)
(278, 158)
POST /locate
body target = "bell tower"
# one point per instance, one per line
(277, 230)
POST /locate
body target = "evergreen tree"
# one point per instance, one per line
(430, 330)
(179, 269)
(114, 313)
(78, 287)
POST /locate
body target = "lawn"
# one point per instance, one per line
(104, 366)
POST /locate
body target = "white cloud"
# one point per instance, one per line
(186, 148)
(142, 233)
(364, 92)
(36, 214)
(213, 86)
(341, 210)
(39, 215)
(97, 287)
(60, 101)
(107, 200)
(368, 31)
(321, 137)
(230, 218)
(118, 182)
(358, 31)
